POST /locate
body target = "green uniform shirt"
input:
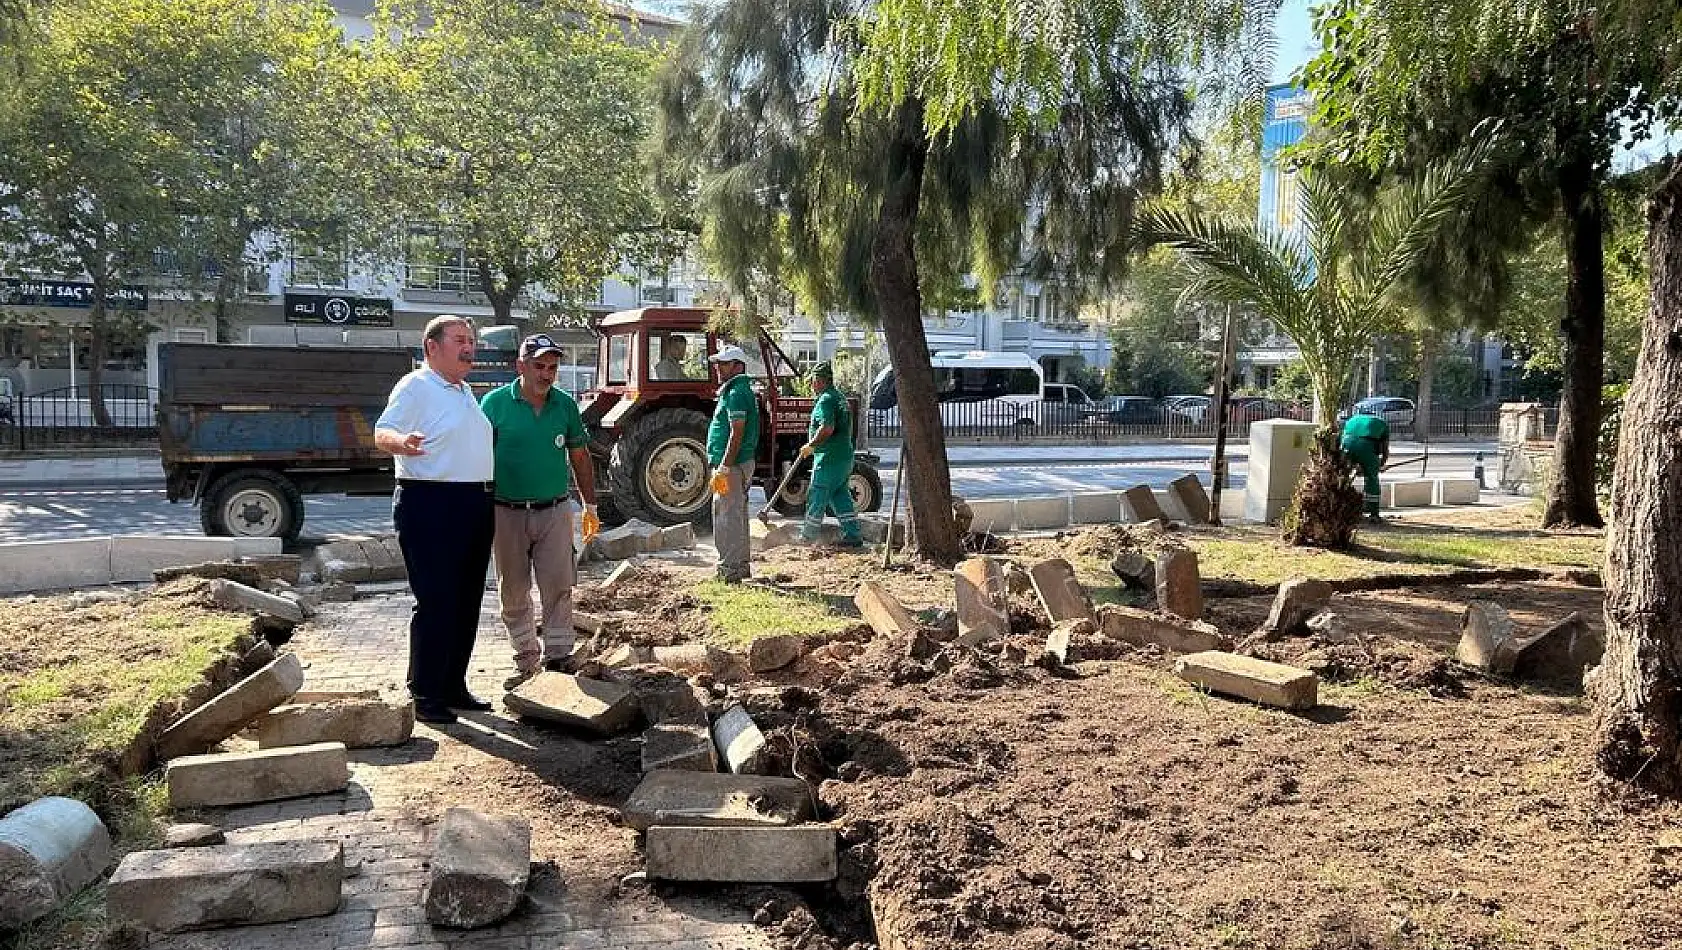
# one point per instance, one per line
(735, 401)
(1370, 427)
(833, 460)
(530, 446)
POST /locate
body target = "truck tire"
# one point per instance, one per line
(864, 483)
(252, 503)
(659, 471)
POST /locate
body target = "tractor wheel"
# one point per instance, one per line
(252, 503)
(659, 469)
(864, 483)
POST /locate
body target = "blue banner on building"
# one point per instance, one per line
(1284, 123)
(30, 292)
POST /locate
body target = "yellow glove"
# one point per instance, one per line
(807, 450)
(592, 523)
(721, 481)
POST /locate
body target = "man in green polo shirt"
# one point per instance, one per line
(1366, 440)
(732, 439)
(537, 430)
(829, 444)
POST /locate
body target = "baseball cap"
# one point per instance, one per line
(823, 371)
(728, 354)
(536, 345)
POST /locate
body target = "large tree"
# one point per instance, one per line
(859, 208)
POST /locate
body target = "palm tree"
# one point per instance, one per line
(1330, 286)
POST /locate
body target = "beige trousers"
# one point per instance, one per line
(540, 543)
(730, 525)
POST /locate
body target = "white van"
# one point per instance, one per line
(975, 388)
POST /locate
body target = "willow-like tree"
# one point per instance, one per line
(799, 181)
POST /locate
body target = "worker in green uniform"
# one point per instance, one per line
(732, 440)
(829, 444)
(1366, 440)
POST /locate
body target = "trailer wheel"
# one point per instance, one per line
(252, 503)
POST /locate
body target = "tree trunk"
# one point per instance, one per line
(899, 301)
(1427, 374)
(1571, 500)
(226, 290)
(501, 301)
(1637, 689)
(96, 354)
(1375, 367)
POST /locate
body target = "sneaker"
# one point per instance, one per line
(514, 682)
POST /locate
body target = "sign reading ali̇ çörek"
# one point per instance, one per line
(339, 310)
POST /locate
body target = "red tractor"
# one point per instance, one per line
(649, 413)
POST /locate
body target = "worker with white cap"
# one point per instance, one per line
(732, 439)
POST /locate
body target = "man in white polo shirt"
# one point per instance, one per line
(442, 509)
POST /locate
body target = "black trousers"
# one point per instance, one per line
(444, 529)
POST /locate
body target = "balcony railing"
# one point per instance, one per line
(441, 278)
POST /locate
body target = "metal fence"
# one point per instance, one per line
(68, 417)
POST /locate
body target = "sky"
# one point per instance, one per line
(1296, 39)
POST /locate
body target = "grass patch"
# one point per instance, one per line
(741, 613)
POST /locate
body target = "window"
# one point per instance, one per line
(677, 356)
(313, 265)
(191, 335)
(619, 360)
(435, 259)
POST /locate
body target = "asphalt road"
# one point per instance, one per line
(89, 511)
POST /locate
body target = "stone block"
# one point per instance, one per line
(618, 544)
(1191, 497)
(1059, 592)
(1232, 506)
(591, 705)
(1559, 654)
(765, 537)
(742, 855)
(1139, 504)
(480, 867)
(589, 623)
(980, 591)
(1386, 494)
(1101, 507)
(233, 710)
(1298, 599)
(1061, 638)
(227, 885)
(620, 575)
(741, 746)
(246, 574)
(672, 700)
(237, 596)
(281, 567)
(1486, 638)
(1037, 514)
(713, 800)
(874, 530)
(193, 835)
(54, 565)
(50, 849)
(241, 778)
(774, 652)
(886, 615)
(992, 515)
(135, 558)
(1136, 570)
(1143, 628)
(338, 592)
(677, 537)
(1457, 491)
(358, 723)
(692, 658)
(1413, 493)
(627, 654)
(1179, 587)
(1271, 684)
(685, 746)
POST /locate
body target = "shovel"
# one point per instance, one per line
(771, 499)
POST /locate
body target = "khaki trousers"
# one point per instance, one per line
(540, 543)
(730, 525)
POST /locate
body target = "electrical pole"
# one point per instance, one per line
(1218, 463)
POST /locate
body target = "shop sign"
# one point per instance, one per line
(339, 310)
(31, 292)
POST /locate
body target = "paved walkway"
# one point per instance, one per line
(385, 818)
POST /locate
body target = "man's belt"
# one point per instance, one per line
(531, 505)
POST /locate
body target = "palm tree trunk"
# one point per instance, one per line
(1427, 375)
(894, 281)
(1637, 689)
(1571, 499)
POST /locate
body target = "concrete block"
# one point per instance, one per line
(233, 710)
(1061, 638)
(592, 705)
(624, 572)
(193, 835)
(54, 565)
(1143, 628)
(338, 592)
(282, 567)
(480, 867)
(992, 515)
(241, 778)
(1232, 506)
(741, 746)
(672, 700)
(133, 559)
(1272, 684)
(887, 616)
(240, 597)
(1559, 654)
(1457, 491)
(1059, 592)
(1101, 507)
(1298, 599)
(1136, 570)
(744, 855)
(677, 537)
(1189, 495)
(1139, 504)
(766, 537)
(774, 652)
(1414, 493)
(1179, 587)
(686, 746)
(874, 530)
(627, 654)
(1487, 638)
(712, 799)
(1035, 514)
(980, 592)
(1386, 494)
(618, 544)
(50, 849)
(358, 723)
(692, 658)
(227, 885)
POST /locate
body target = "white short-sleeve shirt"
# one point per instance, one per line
(458, 436)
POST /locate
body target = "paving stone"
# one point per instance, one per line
(671, 700)
(1486, 638)
(775, 652)
(676, 537)
(338, 592)
(50, 849)
(240, 597)
(717, 799)
(692, 658)
(1136, 570)
(233, 710)
(1058, 642)
(1192, 497)
(980, 587)
(1060, 593)
(588, 623)
(886, 615)
(746, 855)
(1298, 599)
(765, 537)
(193, 835)
(592, 705)
(1272, 684)
(621, 543)
(679, 745)
(626, 655)
(624, 572)
(282, 567)
(1559, 654)
(358, 723)
(227, 885)
(1142, 628)
(741, 746)
(480, 868)
(247, 574)
(1140, 503)
(240, 778)
(1179, 588)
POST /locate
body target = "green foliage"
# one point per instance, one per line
(1292, 384)
(1459, 382)
(1090, 379)
(1154, 338)
(1611, 424)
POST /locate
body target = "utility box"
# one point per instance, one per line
(1278, 449)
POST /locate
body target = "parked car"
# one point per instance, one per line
(1392, 409)
(1061, 404)
(1126, 411)
(1194, 408)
